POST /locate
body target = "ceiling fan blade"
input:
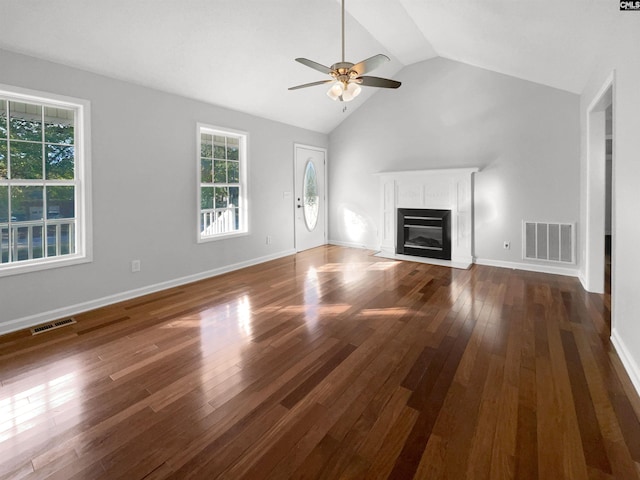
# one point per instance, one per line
(378, 82)
(370, 64)
(314, 65)
(312, 84)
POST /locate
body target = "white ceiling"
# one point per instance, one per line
(240, 53)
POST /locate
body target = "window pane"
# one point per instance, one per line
(53, 238)
(206, 145)
(60, 162)
(233, 172)
(232, 149)
(58, 125)
(219, 151)
(234, 194)
(26, 203)
(220, 171)
(60, 202)
(67, 239)
(206, 198)
(206, 176)
(4, 245)
(310, 196)
(37, 244)
(28, 242)
(26, 160)
(25, 121)
(3, 119)
(60, 239)
(236, 216)
(222, 193)
(4, 204)
(3, 159)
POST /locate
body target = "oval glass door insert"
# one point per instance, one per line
(310, 196)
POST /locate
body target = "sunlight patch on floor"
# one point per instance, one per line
(387, 312)
(18, 412)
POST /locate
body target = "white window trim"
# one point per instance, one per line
(243, 158)
(82, 144)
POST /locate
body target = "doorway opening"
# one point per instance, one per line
(608, 200)
(600, 221)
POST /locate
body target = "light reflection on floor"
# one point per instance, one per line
(312, 296)
(233, 319)
(360, 266)
(19, 411)
(386, 312)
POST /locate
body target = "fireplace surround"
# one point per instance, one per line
(438, 189)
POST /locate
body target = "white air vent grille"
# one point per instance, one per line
(553, 242)
(51, 326)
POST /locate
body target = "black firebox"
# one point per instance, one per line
(425, 233)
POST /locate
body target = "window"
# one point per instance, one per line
(310, 196)
(43, 180)
(222, 167)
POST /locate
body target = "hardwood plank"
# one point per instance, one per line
(592, 442)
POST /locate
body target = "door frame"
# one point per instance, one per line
(595, 198)
(325, 192)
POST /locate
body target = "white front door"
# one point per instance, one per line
(310, 197)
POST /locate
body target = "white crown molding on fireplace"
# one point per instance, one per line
(450, 189)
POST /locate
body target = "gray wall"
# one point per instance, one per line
(523, 136)
(144, 191)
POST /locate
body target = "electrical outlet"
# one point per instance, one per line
(135, 266)
(507, 245)
(268, 239)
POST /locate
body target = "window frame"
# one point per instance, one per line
(243, 155)
(81, 181)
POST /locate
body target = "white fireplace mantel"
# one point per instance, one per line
(447, 189)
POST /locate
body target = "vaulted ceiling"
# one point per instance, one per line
(240, 53)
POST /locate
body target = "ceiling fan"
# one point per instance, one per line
(348, 77)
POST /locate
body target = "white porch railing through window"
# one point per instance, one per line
(218, 220)
(36, 239)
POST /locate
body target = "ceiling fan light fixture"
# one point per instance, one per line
(354, 89)
(351, 92)
(335, 91)
(347, 77)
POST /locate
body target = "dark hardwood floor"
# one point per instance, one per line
(329, 364)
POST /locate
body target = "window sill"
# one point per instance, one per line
(222, 236)
(28, 266)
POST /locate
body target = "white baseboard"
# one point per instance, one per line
(340, 243)
(33, 320)
(466, 263)
(583, 280)
(530, 267)
(627, 360)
